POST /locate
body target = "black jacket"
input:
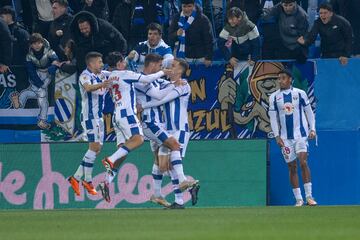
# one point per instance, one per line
(122, 17)
(20, 43)
(336, 37)
(5, 43)
(99, 8)
(104, 38)
(252, 8)
(58, 43)
(198, 38)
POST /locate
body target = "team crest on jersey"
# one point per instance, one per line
(288, 108)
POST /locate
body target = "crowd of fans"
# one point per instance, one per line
(252, 30)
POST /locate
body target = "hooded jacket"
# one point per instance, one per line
(104, 38)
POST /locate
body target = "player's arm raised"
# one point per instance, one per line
(152, 77)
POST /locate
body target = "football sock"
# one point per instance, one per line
(88, 163)
(176, 162)
(308, 189)
(110, 178)
(157, 180)
(297, 193)
(121, 152)
(175, 183)
(87, 157)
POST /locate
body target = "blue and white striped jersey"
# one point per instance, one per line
(122, 88)
(290, 114)
(144, 94)
(164, 50)
(175, 107)
(91, 102)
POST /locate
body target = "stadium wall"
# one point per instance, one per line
(33, 176)
(335, 162)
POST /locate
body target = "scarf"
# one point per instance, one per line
(184, 25)
(242, 29)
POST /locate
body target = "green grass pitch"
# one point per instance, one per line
(192, 223)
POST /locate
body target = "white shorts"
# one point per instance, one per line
(293, 147)
(182, 137)
(125, 126)
(93, 130)
(156, 133)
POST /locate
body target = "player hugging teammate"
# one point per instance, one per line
(163, 106)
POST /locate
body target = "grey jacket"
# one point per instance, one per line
(291, 26)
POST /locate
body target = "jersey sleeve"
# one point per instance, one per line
(141, 87)
(85, 79)
(304, 101)
(160, 93)
(273, 116)
(169, 97)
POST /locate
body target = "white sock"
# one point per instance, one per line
(176, 162)
(110, 178)
(88, 163)
(308, 189)
(80, 171)
(297, 193)
(157, 180)
(177, 192)
(121, 152)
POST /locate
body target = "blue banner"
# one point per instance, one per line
(225, 103)
(233, 103)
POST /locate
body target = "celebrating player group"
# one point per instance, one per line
(145, 105)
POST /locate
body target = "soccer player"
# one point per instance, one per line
(293, 122)
(129, 133)
(92, 83)
(153, 123)
(176, 119)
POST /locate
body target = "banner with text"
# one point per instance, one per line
(224, 103)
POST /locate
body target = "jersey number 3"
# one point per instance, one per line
(117, 93)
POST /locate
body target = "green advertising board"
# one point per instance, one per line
(33, 176)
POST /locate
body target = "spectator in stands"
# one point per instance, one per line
(41, 65)
(19, 36)
(5, 51)
(292, 23)
(42, 16)
(191, 32)
(241, 36)
(144, 13)
(97, 7)
(350, 9)
(335, 33)
(154, 44)
(252, 8)
(60, 28)
(69, 66)
(122, 17)
(94, 34)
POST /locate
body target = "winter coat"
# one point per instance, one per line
(104, 38)
(58, 43)
(336, 37)
(198, 38)
(291, 26)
